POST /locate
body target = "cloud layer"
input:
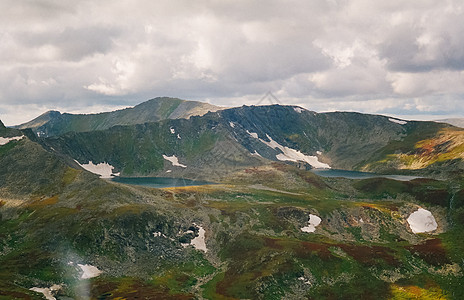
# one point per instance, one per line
(398, 57)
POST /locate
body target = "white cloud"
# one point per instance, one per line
(320, 54)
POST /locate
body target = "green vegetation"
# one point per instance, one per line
(146, 241)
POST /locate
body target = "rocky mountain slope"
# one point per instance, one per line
(231, 139)
(54, 123)
(269, 228)
(268, 232)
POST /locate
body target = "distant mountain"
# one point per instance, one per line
(54, 123)
(236, 138)
(458, 122)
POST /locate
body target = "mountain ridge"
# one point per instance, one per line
(250, 136)
(53, 123)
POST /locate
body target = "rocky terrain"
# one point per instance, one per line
(268, 228)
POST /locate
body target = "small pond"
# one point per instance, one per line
(159, 182)
(358, 175)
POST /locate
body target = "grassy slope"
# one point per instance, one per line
(253, 221)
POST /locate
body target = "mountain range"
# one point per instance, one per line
(265, 227)
(254, 135)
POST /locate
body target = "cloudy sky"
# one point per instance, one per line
(396, 57)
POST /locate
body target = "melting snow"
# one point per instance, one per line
(232, 124)
(312, 223)
(47, 292)
(158, 234)
(304, 280)
(172, 130)
(422, 220)
(199, 241)
(256, 154)
(105, 170)
(178, 136)
(397, 121)
(298, 109)
(89, 271)
(173, 159)
(4, 141)
(253, 134)
(291, 154)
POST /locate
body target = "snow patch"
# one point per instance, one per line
(4, 141)
(253, 134)
(168, 171)
(232, 124)
(422, 220)
(304, 280)
(199, 241)
(159, 234)
(290, 154)
(173, 159)
(178, 136)
(105, 170)
(172, 130)
(47, 292)
(256, 154)
(397, 121)
(318, 152)
(298, 109)
(313, 222)
(89, 271)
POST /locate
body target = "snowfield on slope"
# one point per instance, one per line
(4, 141)
(421, 221)
(89, 271)
(313, 222)
(289, 154)
(174, 161)
(199, 241)
(47, 292)
(105, 170)
(397, 121)
(298, 109)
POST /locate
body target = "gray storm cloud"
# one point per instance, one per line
(395, 57)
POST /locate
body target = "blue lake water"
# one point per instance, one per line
(358, 175)
(159, 182)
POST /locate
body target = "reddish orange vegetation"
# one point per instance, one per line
(431, 251)
(369, 255)
(308, 248)
(133, 289)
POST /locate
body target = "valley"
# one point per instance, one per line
(254, 220)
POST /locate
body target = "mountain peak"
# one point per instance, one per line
(55, 123)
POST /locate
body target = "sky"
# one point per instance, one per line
(396, 57)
